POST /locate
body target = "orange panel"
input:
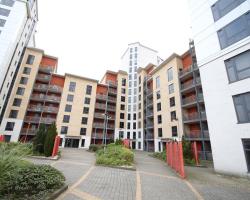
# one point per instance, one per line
(57, 80)
(186, 61)
(111, 77)
(194, 127)
(192, 110)
(47, 61)
(101, 89)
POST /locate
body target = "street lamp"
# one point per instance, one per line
(107, 117)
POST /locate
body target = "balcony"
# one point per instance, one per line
(100, 136)
(149, 136)
(46, 69)
(191, 83)
(112, 83)
(37, 97)
(101, 125)
(196, 135)
(26, 131)
(149, 114)
(205, 155)
(50, 109)
(46, 120)
(43, 78)
(42, 97)
(41, 87)
(55, 89)
(149, 125)
(187, 70)
(203, 115)
(53, 98)
(189, 100)
(191, 117)
(31, 119)
(35, 108)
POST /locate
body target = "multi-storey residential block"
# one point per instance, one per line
(136, 56)
(35, 96)
(77, 110)
(17, 26)
(221, 34)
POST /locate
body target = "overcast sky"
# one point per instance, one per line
(90, 36)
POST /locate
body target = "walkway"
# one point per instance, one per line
(153, 180)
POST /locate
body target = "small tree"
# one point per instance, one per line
(49, 140)
(187, 149)
(38, 142)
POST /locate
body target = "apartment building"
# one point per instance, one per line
(76, 111)
(135, 56)
(18, 20)
(222, 40)
(35, 97)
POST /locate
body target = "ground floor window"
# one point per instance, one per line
(246, 146)
(159, 145)
(139, 145)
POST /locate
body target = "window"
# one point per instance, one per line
(129, 99)
(123, 91)
(135, 98)
(128, 135)
(122, 107)
(159, 132)
(87, 100)
(135, 91)
(10, 126)
(130, 77)
(70, 98)
(134, 135)
(158, 94)
(2, 22)
(246, 147)
(171, 88)
(222, 7)
(139, 105)
(159, 120)
(139, 134)
(4, 12)
(83, 131)
(174, 131)
(173, 115)
(83, 143)
(242, 107)
(121, 115)
(13, 114)
(89, 89)
(66, 118)
(238, 67)
(72, 86)
(122, 99)
(135, 77)
(134, 107)
(130, 70)
(9, 3)
(139, 145)
(68, 108)
(134, 116)
(17, 102)
(121, 124)
(24, 80)
(123, 82)
(234, 31)
(139, 115)
(26, 70)
(64, 130)
(158, 106)
(128, 125)
(30, 60)
(130, 63)
(139, 97)
(20, 91)
(134, 125)
(172, 101)
(139, 80)
(135, 83)
(85, 110)
(84, 120)
(170, 74)
(129, 91)
(140, 89)
(139, 124)
(129, 107)
(121, 134)
(129, 116)
(130, 83)
(157, 80)
(135, 49)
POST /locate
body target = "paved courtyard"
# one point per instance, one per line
(153, 180)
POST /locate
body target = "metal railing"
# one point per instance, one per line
(43, 97)
(50, 109)
(42, 87)
(149, 136)
(188, 70)
(43, 77)
(55, 88)
(188, 100)
(47, 69)
(32, 119)
(208, 155)
(190, 83)
(46, 120)
(113, 91)
(191, 116)
(37, 108)
(101, 125)
(27, 131)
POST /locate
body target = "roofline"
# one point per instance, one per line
(171, 57)
(145, 68)
(59, 75)
(81, 77)
(35, 49)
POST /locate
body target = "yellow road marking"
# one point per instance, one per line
(84, 195)
(191, 187)
(138, 187)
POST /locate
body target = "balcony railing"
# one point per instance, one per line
(47, 69)
(31, 119)
(191, 117)
(197, 135)
(101, 125)
(41, 87)
(149, 114)
(113, 91)
(104, 97)
(42, 77)
(55, 88)
(187, 70)
(149, 136)
(189, 100)
(100, 136)
(112, 83)
(203, 115)
(50, 109)
(53, 98)
(190, 84)
(46, 120)
(205, 155)
(42, 97)
(149, 125)
(35, 108)
(27, 131)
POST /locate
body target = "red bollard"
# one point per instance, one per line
(1, 138)
(182, 170)
(196, 153)
(56, 146)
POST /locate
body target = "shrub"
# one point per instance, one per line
(39, 140)
(118, 142)
(32, 182)
(49, 140)
(187, 152)
(114, 155)
(95, 147)
(160, 155)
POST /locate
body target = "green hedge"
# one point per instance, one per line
(160, 155)
(95, 147)
(115, 155)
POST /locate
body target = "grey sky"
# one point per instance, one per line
(90, 37)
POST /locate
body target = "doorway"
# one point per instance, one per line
(133, 145)
(71, 143)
